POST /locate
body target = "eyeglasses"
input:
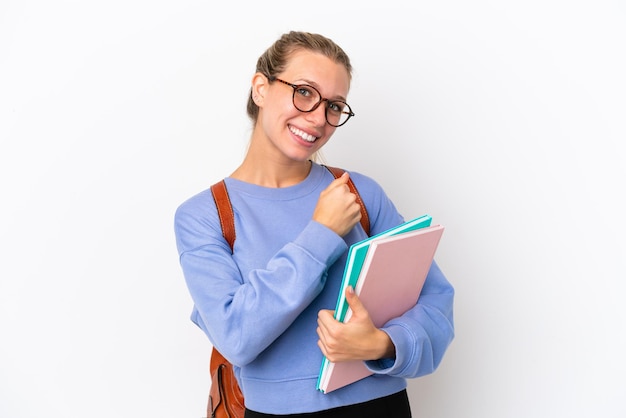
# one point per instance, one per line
(306, 99)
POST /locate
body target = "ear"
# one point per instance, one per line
(259, 88)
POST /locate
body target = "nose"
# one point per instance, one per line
(318, 114)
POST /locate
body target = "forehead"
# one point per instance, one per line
(317, 69)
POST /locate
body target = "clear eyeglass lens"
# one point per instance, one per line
(305, 98)
(337, 113)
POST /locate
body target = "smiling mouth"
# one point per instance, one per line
(302, 134)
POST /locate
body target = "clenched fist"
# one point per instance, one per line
(337, 207)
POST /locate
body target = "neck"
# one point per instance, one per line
(272, 174)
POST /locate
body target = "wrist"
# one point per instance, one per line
(386, 348)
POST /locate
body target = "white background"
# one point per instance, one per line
(503, 120)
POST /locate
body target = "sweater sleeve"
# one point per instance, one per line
(243, 316)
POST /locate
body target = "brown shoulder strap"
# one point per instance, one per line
(365, 220)
(225, 397)
(225, 212)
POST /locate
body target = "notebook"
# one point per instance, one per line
(390, 282)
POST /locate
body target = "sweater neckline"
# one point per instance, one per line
(305, 187)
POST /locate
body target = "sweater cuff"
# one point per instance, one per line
(321, 242)
(392, 366)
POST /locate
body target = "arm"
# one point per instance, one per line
(415, 342)
(243, 302)
(409, 346)
(242, 316)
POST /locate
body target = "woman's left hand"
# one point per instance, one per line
(358, 339)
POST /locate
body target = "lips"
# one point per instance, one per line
(306, 137)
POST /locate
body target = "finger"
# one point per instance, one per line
(320, 332)
(340, 181)
(354, 302)
(325, 314)
(323, 317)
(344, 177)
(322, 336)
(322, 347)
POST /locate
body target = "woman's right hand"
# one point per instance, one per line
(337, 207)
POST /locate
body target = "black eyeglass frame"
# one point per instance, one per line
(295, 87)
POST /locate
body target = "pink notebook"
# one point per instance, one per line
(390, 283)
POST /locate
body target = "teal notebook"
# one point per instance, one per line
(356, 256)
(354, 263)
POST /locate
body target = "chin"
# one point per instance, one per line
(305, 158)
(301, 156)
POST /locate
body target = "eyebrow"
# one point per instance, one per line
(317, 86)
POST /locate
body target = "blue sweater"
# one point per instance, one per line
(259, 306)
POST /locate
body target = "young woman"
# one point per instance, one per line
(267, 305)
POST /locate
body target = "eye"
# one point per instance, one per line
(336, 107)
(305, 91)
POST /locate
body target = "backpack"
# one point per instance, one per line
(225, 397)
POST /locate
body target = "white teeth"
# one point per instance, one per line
(303, 135)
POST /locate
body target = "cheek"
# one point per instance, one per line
(277, 112)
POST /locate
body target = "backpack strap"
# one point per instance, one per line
(225, 212)
(365, 220)
(225, 396)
